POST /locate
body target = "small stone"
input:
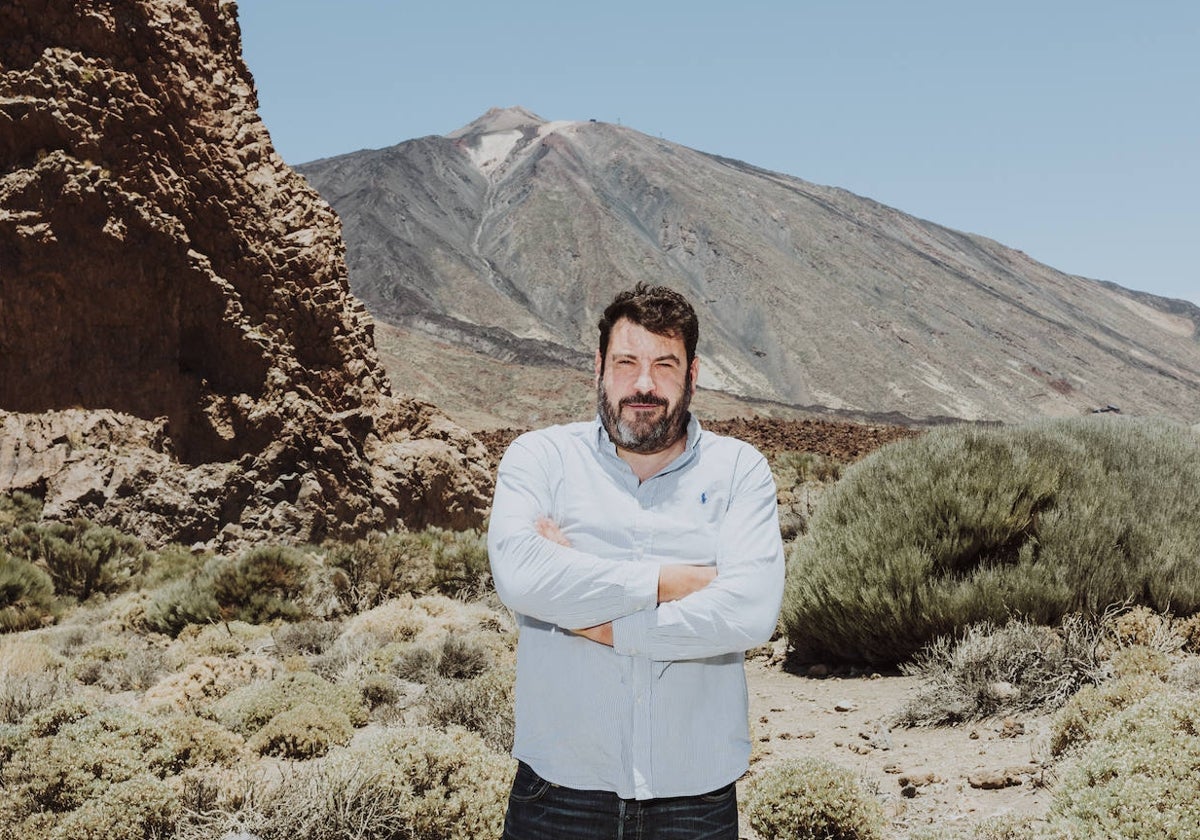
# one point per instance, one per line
(845, 706)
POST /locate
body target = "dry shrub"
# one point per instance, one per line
(82, 558)
(993, 670)
(306, 730)
(1188, 629)
(247, 709)
(311, 638)
(122, 665)
(809, 799)
(1143, 627)
(205, 681)
(396, 783)
(483, 705)
(1085, 713)
(31, 677)
(1138, 660)
(78, 771)
(1138, 777)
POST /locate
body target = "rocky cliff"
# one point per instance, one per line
(176, 329)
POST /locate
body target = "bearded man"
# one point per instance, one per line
(642, 557)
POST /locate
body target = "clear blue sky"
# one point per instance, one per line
(1069, 129)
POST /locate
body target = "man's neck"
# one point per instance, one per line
(645, 465)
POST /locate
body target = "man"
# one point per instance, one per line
(642, 556)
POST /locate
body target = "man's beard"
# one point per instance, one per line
(644, 437)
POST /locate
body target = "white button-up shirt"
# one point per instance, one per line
(664, 711)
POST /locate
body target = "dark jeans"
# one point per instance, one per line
(539, 810)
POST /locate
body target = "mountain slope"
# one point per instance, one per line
(510, 235)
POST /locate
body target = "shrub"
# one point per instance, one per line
(203, 682)
(965, 525)
(82, 558)
(76, 771)
(381, 567)
(306, 730)
(141, 807)
(396, 783)
(1139, 778)
(182, 603)
(1085, 713)
(262, 584)
(483, 705)
(811, 800)
(991, 670)
(304, 637)
(17, 509)
(31, 678)
(26, 595)
(1145, 628)
(119, 666)
(462, 657)
(247, 709)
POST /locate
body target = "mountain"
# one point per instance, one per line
(507, 237)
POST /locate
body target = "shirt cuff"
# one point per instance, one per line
(631, 631)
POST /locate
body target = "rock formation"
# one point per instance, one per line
(179, 351)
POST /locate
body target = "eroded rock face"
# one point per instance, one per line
(175, 297)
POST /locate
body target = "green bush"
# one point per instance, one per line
(262, 584)
(991, 670)
(26, 595)
(1139, 777)
(811, 800)
(248, 709)
(82, 558)
(965, 525)
(17, 509)
(381, 567)
(183, 602)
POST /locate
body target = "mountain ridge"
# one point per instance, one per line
(808, 295)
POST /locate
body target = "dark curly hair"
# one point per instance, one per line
(658, 309)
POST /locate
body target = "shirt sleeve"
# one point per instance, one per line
(739, 609)
(542, 579)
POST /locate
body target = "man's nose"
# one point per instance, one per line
(645, 382)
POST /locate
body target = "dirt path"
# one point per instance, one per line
(845, 721)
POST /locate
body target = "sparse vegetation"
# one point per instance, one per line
(159, 701)
(965, 525)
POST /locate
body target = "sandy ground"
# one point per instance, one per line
(845, 720)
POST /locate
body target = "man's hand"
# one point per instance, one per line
(549, 529)
(601, 633)
(677, 580)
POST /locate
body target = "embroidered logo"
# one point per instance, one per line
(703, 498)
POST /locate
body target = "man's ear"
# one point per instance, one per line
(599, 366)
(694, 373)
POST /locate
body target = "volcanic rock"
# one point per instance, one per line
(179, 350)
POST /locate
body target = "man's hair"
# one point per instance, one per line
(658, 309)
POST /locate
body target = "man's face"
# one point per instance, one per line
(645, 388)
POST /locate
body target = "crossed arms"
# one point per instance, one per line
(643, 608)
